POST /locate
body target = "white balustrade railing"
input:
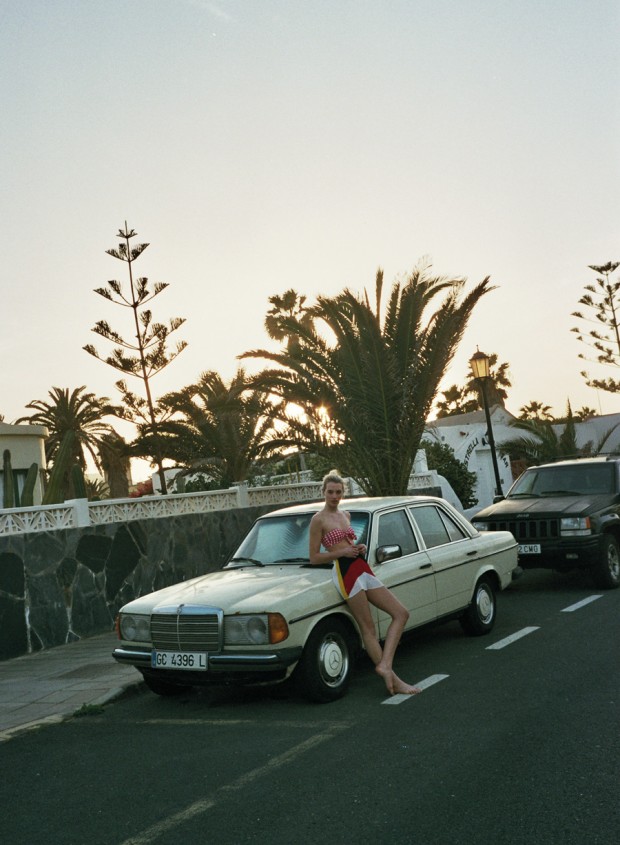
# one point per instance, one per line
(78, 513)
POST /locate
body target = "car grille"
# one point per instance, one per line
(181, 631)
(529, 529)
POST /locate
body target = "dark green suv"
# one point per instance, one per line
(564, 515)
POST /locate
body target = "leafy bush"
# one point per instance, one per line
(440, 457)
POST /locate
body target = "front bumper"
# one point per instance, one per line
(564, 553)
(243, 667)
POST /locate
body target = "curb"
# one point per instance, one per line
(131, 688)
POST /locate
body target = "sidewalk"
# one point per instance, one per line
(50, 685)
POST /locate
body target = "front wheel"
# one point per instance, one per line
(479, 617)
(324, 671)
(606, 571)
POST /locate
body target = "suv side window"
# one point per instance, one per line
(394, 529)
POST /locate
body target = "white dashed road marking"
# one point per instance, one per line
(580, 604)
(512, 638)
(421, 685)
(207, 803)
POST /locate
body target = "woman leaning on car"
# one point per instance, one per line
(357, 583)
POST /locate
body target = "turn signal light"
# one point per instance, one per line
(278, 629)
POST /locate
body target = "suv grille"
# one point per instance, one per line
(187, 631)
(529, 529)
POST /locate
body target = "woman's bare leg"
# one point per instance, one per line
(382, 598)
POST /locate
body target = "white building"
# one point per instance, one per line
(467, 435)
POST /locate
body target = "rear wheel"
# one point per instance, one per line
(324, 671)
(479, 617)
(606, 571)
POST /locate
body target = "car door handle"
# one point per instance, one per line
(426, 566)
(471, 554)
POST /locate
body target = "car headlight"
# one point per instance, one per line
(135, 627)
(255, 629)
(575, 526)
(481, 526)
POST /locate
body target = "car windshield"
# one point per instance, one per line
(285, 540)
(581, 480)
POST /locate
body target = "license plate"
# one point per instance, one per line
(530, 549)
(195, 661)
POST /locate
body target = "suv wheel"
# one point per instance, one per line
(606, 571)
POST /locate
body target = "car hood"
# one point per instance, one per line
(243, 589)
(547, 506)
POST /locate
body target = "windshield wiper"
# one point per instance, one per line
(292, 560)
(524, 496)
(562, 493)
(246, 560)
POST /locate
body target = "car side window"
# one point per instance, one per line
(394, 529)
(436, 527)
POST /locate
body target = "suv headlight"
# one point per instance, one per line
(135, 627)
(255, 629)
(575, 526)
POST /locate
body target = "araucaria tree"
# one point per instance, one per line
(363, 384)
(147, 353)
(603, 302)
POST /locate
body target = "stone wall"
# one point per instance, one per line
(60, 586)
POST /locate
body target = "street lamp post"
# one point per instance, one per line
(479, 363)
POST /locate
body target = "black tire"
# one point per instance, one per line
(606, 572)
(324, 671)
(479, 618)
(161, 687)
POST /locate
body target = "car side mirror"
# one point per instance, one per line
(384, 553)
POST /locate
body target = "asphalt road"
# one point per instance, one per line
(515, 740)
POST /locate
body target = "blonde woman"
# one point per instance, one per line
(357, 583)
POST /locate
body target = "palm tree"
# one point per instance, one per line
(222, 429)
(364, 397)
(544, 441)
(456, 400)
(535, 411)
(74, 411)
(290, 305)
(115, 455)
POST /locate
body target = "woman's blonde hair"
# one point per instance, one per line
(332, 478)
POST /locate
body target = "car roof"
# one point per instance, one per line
(366, 504)
(600, 459)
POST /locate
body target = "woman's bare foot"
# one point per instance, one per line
(401, 688)
(388, 676)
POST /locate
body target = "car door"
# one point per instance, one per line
(452, 552)
(410, 574)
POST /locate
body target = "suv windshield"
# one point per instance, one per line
(285, 539)
(587, 479)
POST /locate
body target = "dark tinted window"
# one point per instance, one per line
(577, 479)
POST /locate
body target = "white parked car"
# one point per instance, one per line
(268, 614)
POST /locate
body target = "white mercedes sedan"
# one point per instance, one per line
(269, 615)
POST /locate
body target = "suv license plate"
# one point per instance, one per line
(195, 661)
(530, 549)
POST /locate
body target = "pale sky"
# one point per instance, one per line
(259, 145)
